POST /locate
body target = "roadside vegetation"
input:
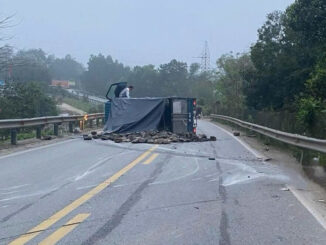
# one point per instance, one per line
(281, 81)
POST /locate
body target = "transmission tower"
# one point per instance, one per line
(205, 58)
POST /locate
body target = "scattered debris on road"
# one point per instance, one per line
(47, 137)
(285, 189)
(236, 133)
(87, 137)
(150, 137)
(212, 138)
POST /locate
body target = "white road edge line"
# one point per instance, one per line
(307, 204)
(35, 149)
(245, 145)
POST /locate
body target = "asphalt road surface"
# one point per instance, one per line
(98, 192)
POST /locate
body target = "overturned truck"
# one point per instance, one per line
(173, 114)
(149, 120)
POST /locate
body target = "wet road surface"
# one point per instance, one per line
(98, 192)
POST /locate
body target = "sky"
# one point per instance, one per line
(137, 32)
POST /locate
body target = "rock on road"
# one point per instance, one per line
(99, 192)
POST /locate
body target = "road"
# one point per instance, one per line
(98, 192)
(70, 109)
(91, 98)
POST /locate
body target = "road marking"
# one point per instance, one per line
(75, 204)
(64, 230)
(245, 145)
(36, 149)
(310, 205)
(151, 158)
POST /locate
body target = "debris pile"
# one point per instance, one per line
(236, 133)
(151, 137)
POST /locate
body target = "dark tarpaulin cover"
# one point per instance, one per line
(134, 115)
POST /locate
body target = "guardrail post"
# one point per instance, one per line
(103, 121)
(38, 132)
(97, 122)
(91, 123)
(71, 127)
(56, 129)
(13, 136)
(81, 124)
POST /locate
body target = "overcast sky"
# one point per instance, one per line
(138, 32)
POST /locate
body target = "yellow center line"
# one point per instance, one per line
(64, 230)
(151, 158)
(72, 206)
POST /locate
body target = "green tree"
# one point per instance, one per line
(316, 85)
(101, 72)
(306, 19)
(24, 100)
(145, 81)
(281, 69)
(194, 69)
(30, 66)
(232, 74)
(66, 68)
(173, 79)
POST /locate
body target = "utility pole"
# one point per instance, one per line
(205, 58)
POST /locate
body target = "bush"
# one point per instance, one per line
(24, 100)
(309, 110)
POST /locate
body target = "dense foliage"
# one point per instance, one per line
(66, 68)
(23, 100)
(34, 65)
(285, 68)
(101, 72)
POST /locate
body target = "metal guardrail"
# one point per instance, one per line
(39, 122)
(292, 139)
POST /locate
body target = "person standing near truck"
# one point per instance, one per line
(125, 93)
